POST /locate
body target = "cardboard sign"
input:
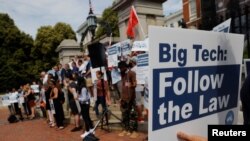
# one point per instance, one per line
(190, 81)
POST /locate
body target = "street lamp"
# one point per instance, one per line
(92, 21)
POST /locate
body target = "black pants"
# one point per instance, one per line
(117, 90)
(100, 100)
(86, 117)
(25, 108)
(129, 115)
(246, 114)
(59, 116)
(18, 110)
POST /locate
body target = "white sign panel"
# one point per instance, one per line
(112, 55)
(125, 48)
(223, 27)
(115, 75)
(139, 46)
(190, 81)
(142, 68)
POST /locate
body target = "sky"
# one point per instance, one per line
(29, 15)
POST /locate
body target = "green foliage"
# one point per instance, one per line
(15, 49)
(21, 58)
(110, 17)
(47, 40)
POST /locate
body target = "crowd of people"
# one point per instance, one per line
(72, 85)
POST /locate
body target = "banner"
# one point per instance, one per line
(192, 85)
(223, 27)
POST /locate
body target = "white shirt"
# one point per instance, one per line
(84, 96)
(35, 88)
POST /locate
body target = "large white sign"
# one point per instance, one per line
(194, 81)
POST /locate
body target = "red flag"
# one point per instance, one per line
(133, 21)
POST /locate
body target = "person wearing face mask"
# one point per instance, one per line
(129, 114)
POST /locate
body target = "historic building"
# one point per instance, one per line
(67, 50)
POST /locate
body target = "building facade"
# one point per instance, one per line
(149, 12)
(192, 12)
(67, 50)
(174, 19)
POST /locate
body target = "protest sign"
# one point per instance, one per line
(223, 27)
(113, 55)
(191, 83)
(139, 46)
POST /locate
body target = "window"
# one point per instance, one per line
(192, 9)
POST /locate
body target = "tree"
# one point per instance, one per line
(109, 21)
(15, 49)
(47, 40)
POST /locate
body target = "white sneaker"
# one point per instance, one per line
(84, 134)
(92, 131)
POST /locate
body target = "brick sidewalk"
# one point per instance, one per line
(38, 130)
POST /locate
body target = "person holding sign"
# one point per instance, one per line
(187, 137)
(129, 114)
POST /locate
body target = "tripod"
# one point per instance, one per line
(105, 116)
(106, 112)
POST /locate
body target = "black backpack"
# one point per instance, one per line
(91, 137)
(12, 119)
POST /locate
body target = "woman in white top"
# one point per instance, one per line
(84, 100)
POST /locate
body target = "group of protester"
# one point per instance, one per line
(73, 85)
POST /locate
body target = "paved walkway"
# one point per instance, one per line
(38, 130)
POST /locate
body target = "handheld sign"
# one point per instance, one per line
(142, 68)
(190, 81)
(113, 55)
(223, 27)
(140, 46)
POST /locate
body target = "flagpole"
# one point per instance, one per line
(139, 23)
